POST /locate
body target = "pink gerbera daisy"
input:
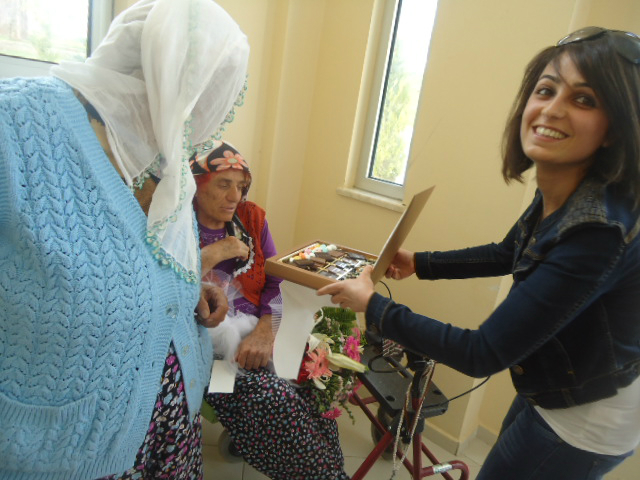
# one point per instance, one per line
(318, 364)
(352, 348)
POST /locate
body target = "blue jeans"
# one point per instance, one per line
(528, 449)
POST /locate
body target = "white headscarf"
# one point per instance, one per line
(165, 78)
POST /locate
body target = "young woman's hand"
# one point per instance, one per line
(255, 349)
(354, 294)
(402, 266)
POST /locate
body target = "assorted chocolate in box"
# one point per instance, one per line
(319, 263)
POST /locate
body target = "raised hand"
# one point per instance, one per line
(402, 265)
(229, 247)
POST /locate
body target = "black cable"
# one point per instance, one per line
(395, 370)
(388, 289)
(442, 404)
(370, 367)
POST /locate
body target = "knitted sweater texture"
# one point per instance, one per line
(86, 312)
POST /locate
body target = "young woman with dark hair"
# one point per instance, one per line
(569, 329)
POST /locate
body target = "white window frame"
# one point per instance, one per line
(381, 43)
(387, 21)
(101, 14)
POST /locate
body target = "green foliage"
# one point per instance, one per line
(338, 324)
(43, 45)
(397, 118)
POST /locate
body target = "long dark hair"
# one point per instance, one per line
(616, 81)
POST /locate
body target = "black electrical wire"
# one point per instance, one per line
(442, 404)
(377, 357)
(388, 289)
(396, 370)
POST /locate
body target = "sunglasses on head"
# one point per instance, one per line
(626, 44)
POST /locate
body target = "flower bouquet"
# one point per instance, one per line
(332, 359)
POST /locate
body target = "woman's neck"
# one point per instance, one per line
(144, 194)
(556, 187)
(210, 223)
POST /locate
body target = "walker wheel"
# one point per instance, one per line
(227, 449)
(385, 419)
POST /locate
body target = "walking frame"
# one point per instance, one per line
(402, 414)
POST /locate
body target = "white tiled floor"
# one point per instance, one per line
(356, 444)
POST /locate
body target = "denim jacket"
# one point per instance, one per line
(569, 329)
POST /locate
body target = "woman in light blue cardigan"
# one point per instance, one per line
(102, 363)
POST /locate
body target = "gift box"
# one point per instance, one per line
(320, 262)
(329, 263)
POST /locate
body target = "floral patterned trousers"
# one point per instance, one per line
(274, 427)
(172, 448)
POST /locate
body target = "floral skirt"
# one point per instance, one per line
(172, 448)
(277, 431)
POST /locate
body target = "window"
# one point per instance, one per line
(34, 34)
(400, 65)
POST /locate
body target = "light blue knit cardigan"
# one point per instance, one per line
(86, 313)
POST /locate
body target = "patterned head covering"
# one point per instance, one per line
(218, 156)
(210, 159)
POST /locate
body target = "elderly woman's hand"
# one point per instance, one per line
(256, 349)
(229, 247)
(212, 307)
(354, 293)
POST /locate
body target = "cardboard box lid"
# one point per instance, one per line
(399, 233)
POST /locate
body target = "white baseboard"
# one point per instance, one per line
(486, 436)
(453, 445)
(440, 438)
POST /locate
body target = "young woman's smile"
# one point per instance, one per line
(563, 123)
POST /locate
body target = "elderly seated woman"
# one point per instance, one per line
(271, 422)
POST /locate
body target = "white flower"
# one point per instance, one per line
(339, 360)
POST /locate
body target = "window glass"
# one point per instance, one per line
(45, 30)
(394, 105)
(402, 90)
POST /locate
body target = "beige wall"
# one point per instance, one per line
(473, 72)
(296, 130)
(311, 75)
